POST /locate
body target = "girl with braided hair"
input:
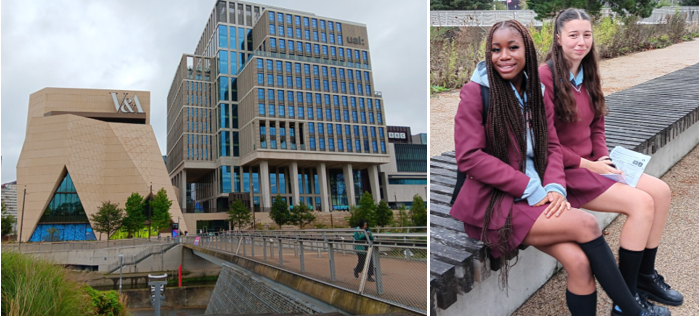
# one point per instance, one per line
(514, 192)
(574, 87)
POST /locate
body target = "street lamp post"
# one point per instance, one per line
(395, 197)
(121, 269)
(150, 210)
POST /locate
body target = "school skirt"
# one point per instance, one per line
(523, 218)
(584, 185)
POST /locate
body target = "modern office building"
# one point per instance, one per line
(406, 173)
(9, 197)
(420, 138)
(84, 147)
(275, 102)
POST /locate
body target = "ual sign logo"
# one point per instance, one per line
(127, 104)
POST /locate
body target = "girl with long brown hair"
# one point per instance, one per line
(579, 106)
(514, 191)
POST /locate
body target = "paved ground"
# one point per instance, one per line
(617, 74)
(403, 281)
(677, 256)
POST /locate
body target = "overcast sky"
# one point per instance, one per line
(137, 45)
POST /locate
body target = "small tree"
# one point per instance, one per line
(108, 218)
(161, 218)
(280, 211)
(239, 215)
(52, 234)
(418, 212)
(301, 215)
(134, 219)
(7, 221)
(366, 209)
(384, 215)
(403, 218)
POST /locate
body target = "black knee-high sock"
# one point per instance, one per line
(629, 264)
(648, 262)
(604, 268)
(582, 305)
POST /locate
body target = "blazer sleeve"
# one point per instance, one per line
(599, 140)
(554, 168)
(469, 139)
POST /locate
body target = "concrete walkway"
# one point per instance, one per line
(404, 282)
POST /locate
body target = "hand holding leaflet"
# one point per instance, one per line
(631, 163)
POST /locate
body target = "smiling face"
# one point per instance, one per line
(507, 53)
(575, 40)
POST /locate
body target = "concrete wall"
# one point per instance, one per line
(103, 257)
(194, 296)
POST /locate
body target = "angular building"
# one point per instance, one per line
(9, 197)
(84, 147)
(406, 173)
(275, 102)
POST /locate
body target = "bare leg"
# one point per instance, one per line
(573, 225)
(660, 192)
(580, 279)
(637, 205)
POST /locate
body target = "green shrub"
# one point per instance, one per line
(35, 287)
(105, 303)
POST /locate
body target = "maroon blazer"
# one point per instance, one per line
(581, 139)
(484, 171)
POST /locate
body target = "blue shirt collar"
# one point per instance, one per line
(519, 98)
(577, 80)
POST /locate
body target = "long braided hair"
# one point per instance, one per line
(506, 128)
(565, 107)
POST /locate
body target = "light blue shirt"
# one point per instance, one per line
(534, 192)
(577, 80)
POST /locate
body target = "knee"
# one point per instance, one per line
(588, 226)
(577, 265)
(663, 191)
(645, 208)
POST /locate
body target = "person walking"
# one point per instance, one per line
(361, 250)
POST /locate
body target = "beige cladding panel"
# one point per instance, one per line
(353, 33)
(106, 161)
(84, 100)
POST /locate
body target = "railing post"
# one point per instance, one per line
(303, 268)
(252, 246)
(281, 261)
(264, 249)
(365, 272)
(377, 271)
(331, 256)
(271, 249)
(243, 238)
(318, 249)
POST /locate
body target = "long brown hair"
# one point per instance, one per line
(506, 128)
(565, 106)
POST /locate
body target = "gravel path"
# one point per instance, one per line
(617, 74)
(678, 257)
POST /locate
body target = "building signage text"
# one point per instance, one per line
(358, 40)
(127, 104)
(396, 135)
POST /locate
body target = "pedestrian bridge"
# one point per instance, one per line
(319, 264)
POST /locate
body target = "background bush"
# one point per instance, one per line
(455, 52)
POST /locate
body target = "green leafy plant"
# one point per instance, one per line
(108, 218)
(239, 215)
(105, 303)
(301, 215)
(134, 220)
(280, 211)
(161, 218)
(365, 209)
(384, 215)
(418, 212)
(7, 221)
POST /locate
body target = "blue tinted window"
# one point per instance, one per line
(354, 117)
(270, 64)
(339, 144)
(381, 132)
(261, 109)
(343, 87)
(307, 34)
(271, 16)
(337, 114)
(270, 94)
(300, 112)
(314, 23)
(316, 48)
(282, 44)
(378, 104)
(225, 143)
(308, 47)
(331, 144)
(281, 110)
(357, 145)
(288, 18)
(344, 100)
(260, 93)
(289, 82)
(291, 111)
(361, 102)
(280, 95)
(356, 55)
(336, 100)
(223, 88)
(324, 37)
(373, 131)
(373, 147)
(335, 86)
(234, 64)
(260, 78)
(297, 20)
(310, 112)
(349, 145)
(260, 64)
(290, 96)
(316, 84)
(241, 38)
(307, 69)
(346, 115)
(280, 17)
(333, 72)
(305, 21)
(321, 143)
(298, 34)
(342, 71)
(270, 79)
(320, 128)
(325, 85)
(383, 147)
(299, 97)
(348, 131)
(339, 41)
(280, 80)
(308, 83)
(339, 27)
(353, 102)
(315, 35)
(223, 62)
(272, 112)
(325, 50)
(272, 29)
(223, 113)
(311, 141)
(359, 89)
(319, 113)
(342, 52)
(299, 46)
(328, 114)
(378, 117)
(273, 43)
(371, 118)
(222, 36)
(326, 99)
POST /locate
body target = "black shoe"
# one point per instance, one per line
(654, 287)
(356, 275)
(369, 279)
(647, 308)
